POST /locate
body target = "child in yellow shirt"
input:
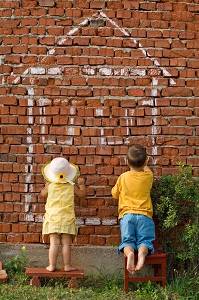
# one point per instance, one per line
(59, 220)
(132, 189)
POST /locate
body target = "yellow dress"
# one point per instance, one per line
(60, 214)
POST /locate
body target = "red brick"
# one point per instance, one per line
(105, 170)
(90, 132)
(97, 4)
(193, 141)
(144, 121)
(35, 228)
(103, 150)
(178, 102)
(5, 227)
(136, 92)
(83, 239)
(177, 121)
(97, 240)
(107, 211)
(196, 111)
(164, 6)
(84, 92)
(14, 238)
(31, 238)
(170, 111)
(6, 207)
(170, 151)
(177, 131)
(2, 238)
(86, 230)
(48, 3)
(102, 230)
(87, 170)
(8, 100)
(113, 240)
(193, 121)
(4, 148)
(86, 212)
(19, 227)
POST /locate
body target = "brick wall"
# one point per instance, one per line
(86, 79)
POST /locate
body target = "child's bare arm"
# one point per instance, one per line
(80, 189)
(115, 190)
(44, 191)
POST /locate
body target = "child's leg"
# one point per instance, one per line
(145, 233)
(129, 252)
(53, 251)
(128, 241)
(66, 240)
(142, 253)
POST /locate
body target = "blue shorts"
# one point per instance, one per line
(137, 230)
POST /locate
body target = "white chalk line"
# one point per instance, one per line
(29, 158)
(154, 131)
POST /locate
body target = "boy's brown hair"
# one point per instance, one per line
(136, 156)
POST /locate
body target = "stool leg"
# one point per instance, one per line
(35, 281)
(164, 273)
(126, 285)
(73, 284)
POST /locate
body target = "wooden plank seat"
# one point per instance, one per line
(3, 274)
(158, 261)
(37, 273)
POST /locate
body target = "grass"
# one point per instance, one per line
(184, 287)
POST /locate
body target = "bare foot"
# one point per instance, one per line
(68, 268)
(3, 272)
(130, 263)
(143, 251)
(50, 268)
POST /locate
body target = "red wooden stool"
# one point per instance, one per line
(37, 273)
(158, 260)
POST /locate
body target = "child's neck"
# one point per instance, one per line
(139, 169)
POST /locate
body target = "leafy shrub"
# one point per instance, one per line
(176, 203)
(17, 263)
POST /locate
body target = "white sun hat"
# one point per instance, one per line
(59, 170)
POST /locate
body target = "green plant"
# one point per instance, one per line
(186, 285)
(17, 263)
(176, 203)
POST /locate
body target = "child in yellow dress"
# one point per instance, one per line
(59, 220)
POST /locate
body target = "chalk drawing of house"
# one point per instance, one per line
(34, 71)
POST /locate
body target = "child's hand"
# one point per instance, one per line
(44, 191)
(80, 181)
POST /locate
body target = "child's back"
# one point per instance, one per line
(133, 191)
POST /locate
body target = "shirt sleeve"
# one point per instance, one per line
(116, 189)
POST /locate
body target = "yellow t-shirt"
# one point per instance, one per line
(133, 191)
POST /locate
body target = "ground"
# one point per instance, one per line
(184, 287)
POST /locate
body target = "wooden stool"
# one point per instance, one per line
(37, 273)
(158, 260)
(3, 274)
